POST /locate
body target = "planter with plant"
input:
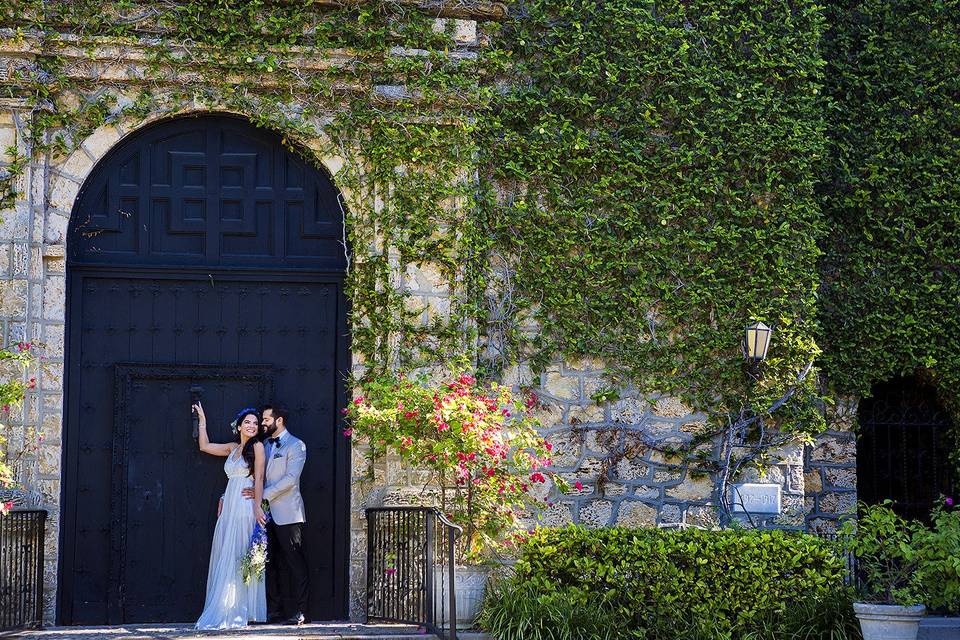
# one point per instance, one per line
(890, 600)
(485, 456)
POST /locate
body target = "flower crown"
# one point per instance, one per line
(240, 414)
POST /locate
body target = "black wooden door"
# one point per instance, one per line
(202, 254)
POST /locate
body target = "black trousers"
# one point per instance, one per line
(287, 579)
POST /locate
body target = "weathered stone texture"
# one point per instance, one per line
(596, 513)
(637, 514)
(830, 471)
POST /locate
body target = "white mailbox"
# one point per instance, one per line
(755, 498)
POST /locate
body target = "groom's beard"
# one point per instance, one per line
(269, 431)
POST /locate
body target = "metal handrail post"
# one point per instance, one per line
(429, 573)
(452, 534)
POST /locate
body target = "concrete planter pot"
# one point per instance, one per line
(471, 584)
(939, 628)
(889, 621)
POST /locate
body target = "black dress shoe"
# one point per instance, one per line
(297, 619)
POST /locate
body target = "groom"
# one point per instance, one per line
(287, 566)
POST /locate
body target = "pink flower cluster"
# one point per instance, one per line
(481, 444)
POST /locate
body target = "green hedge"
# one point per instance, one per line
(666, 583)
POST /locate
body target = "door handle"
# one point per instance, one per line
(195, 394)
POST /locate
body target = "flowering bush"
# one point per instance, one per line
(14, 362)
(480, 443)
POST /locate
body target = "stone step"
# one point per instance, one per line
(314, 631)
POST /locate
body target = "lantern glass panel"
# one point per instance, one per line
(757, 341)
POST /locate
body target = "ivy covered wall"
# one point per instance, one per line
(650, 171)
(656, 166)
(890, 195)
(600, 194)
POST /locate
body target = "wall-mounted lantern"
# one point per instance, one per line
(756, 339)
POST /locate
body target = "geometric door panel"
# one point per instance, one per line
(209, 190)
(202, 253)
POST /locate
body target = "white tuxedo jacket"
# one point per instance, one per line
(281, 482)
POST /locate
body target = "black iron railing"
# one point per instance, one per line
(21, 568)
(410, 568)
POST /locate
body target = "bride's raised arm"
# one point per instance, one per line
(213, 448)
(259, 464)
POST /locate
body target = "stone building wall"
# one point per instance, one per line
(32, 303)
(617, 439)
(613, 450)
(621, 441)
(830, 469)
(33, 233)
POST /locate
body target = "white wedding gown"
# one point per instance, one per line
(230, 603)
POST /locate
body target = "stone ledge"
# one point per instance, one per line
(939, 628)
(315, 631)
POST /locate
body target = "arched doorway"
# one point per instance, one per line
(202, 255)
(903, 450)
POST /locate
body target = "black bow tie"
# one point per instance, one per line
(274, 440)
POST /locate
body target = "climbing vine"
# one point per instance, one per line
(381, 85)
(891, 280)
(651, 192)
(648, 173)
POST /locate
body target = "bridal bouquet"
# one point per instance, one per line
(255, 560)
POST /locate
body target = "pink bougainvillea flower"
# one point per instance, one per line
(537, 477)
(391, 571)
(466, 379)
(358, 400)
(578, 485)
(348, 432)
(948, 501)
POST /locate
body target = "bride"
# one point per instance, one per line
(230, 603)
